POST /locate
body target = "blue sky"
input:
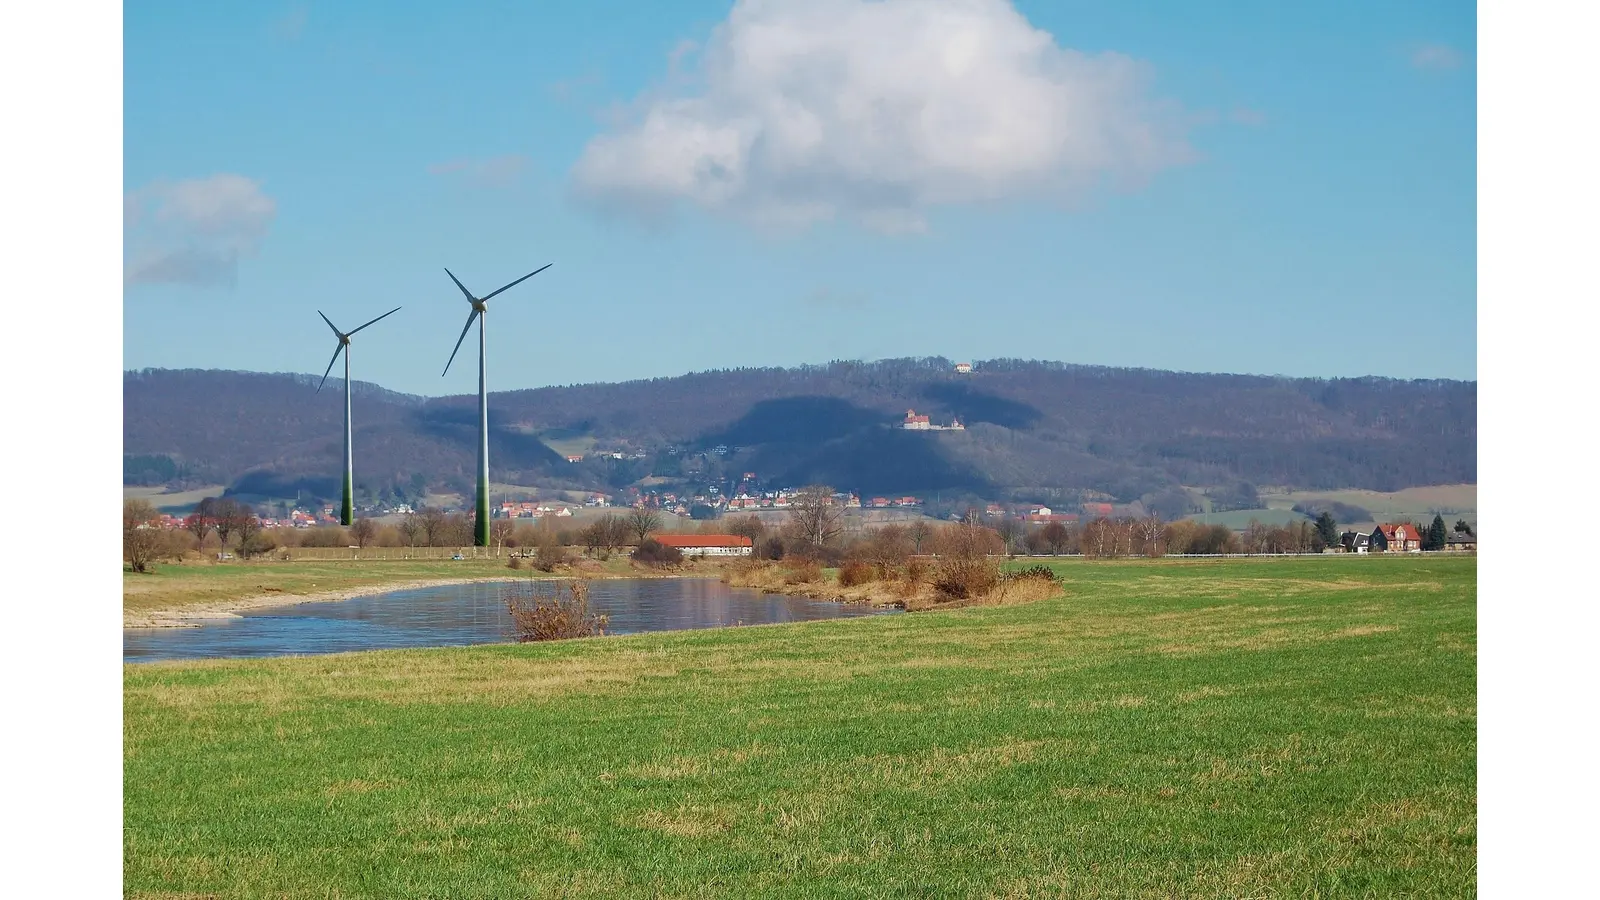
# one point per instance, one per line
(1277, 188)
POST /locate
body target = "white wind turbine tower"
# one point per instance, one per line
(346, 506)
(480, 309)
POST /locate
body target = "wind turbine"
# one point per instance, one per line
(346, 506)
(480, 310)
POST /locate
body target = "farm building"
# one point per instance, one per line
(1396, 538)
(1355, 541)
(1456, 540)
(707, 544)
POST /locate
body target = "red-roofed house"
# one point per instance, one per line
(916, 422)
(707, 544)
(1396, 538)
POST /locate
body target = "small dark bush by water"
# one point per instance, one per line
(552, 610)
(654, 553)
(1034, 572)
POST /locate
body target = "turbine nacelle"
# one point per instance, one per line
(344, 342)
(480, 306)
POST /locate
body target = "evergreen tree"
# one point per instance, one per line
(1463, 527)
(1328, 529)
(1436, 534)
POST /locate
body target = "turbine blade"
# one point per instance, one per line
(330, 325)
(523, 278)
(463, 287)
(384, 316)
(470, 319)
(336, 351)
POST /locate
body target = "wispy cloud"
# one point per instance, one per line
(194, 231)
(1437, 57)
(497, 171)
(1242, 115)
(797, 111)
(291, 24)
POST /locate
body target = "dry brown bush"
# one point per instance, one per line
(801, 570)
(965, 568)
(856, 572)
(551, 611)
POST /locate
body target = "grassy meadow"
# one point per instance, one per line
(1172, 728)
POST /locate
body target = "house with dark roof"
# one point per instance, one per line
(1460, 541)
(1355, 541)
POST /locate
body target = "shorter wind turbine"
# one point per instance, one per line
(346, 506)
(480, 314)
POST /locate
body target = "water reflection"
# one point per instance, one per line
(456, 615)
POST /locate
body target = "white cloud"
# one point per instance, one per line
(194, 231)
(1436, 56)
(877, 110)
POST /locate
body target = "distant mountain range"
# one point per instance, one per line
(1034, 431)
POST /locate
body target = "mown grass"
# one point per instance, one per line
(1235, 728)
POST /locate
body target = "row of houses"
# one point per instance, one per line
(1400, 537)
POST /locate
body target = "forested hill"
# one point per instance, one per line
(1039, 429)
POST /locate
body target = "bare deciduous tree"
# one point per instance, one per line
(433, 525)
(226, 518)
(1011, 531)
(363, 532)
(142, 539)
(643, 520)
(814, 519)
(199, 522)
(1056, 537)
(500, 532)
(919, 533)
(1150, 531)
(414, 530)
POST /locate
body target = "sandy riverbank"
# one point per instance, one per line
(193, 615)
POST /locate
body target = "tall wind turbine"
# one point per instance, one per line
(346, 506)
(480, 310)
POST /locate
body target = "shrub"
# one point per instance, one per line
(652, 552)
(856, 572)
(965, 579)
(515, 562)
(258, 544)
(549, 554)
(801, 570)
(964, 569)
(1034, 572)
(561, 611)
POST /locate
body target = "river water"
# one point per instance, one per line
(460, 614)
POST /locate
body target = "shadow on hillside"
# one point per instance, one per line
(508, 448)
(786, 420)
(876, 460)
(265, 483)
(975, 406)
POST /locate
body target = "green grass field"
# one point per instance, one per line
(1198, 728)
